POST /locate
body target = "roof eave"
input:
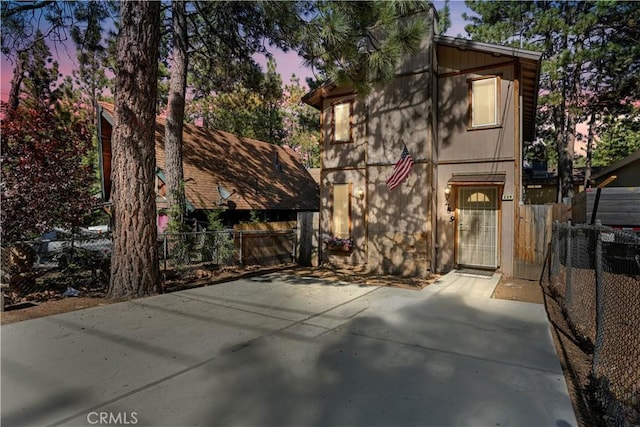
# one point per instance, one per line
(314, 97)
(465, 44)
(617, 165)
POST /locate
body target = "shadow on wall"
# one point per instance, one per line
(400, 219)
(452, 109)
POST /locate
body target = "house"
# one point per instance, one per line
(626, 172)
(224, 171)
(540, 186)
(463, 110)
(617, 203)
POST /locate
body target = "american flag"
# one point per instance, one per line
(401, 169)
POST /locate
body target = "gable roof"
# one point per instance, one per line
(263, 175)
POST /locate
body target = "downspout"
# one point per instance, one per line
(517, 158)
(435, 88)
(322, 186)
(366, 182)
(433, 77)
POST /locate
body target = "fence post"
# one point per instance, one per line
(165, 248)
(241, 247)
(599, 296)
(293, 246)
(568, 263)
(555, 251)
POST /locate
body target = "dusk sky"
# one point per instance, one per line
(287, 63)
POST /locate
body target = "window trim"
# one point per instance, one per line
(333, 121)
(498, 102)
(349, 209)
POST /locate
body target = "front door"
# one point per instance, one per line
(478, 227)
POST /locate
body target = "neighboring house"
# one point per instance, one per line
(224, 171)
(463, 110)
(618, 202)
(626, 171)
(540, 186)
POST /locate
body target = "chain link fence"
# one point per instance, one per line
(193, 253)
(80, 263)
(593, 272)
(59, 263)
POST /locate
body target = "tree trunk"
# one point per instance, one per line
(175, 116)
(16, 82)
(134, 267)
(567, 188)
(590, 141)
(564, 160)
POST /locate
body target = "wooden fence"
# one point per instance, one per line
(265, 243)
(535, 224)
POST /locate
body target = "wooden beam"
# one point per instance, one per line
(607, 181)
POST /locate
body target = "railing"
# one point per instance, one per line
(593, 272)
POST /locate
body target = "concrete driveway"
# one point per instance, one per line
(278, 350)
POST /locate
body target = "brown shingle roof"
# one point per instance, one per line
(263, 175)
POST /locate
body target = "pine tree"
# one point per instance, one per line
(590, 64)
(134, 265)
(175, 115)
(359, 44)
(91, 52)
(27, 24)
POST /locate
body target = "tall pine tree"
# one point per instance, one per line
(134, 262)
(590, 57)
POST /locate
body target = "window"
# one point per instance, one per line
(484, 102)
(342, 122)
(341, 217)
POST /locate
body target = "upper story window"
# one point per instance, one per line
(341, 122)
(484, 102)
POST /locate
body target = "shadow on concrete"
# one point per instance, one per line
(427, 364)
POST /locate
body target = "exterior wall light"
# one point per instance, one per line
(447, 196)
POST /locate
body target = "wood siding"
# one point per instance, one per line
(409, 230)
(462, 149)
(392, 229)
(457, 141)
